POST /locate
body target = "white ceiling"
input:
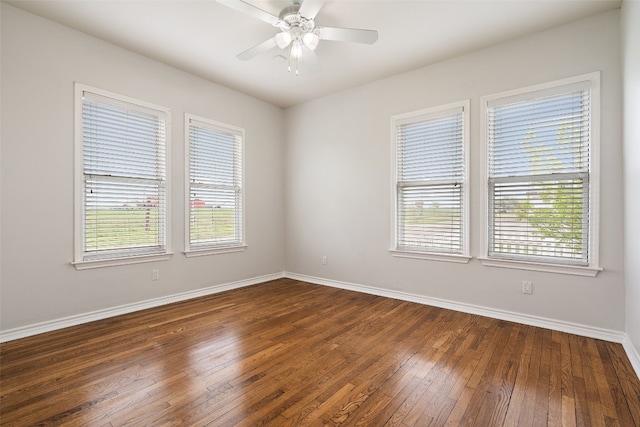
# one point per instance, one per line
(203, 37)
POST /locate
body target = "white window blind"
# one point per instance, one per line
(215, 185)
(430, 182)
(123, 178)
(539, 175)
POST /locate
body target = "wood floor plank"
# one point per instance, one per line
(541, 405)
(622, 411)
(626, 376)
(395, 391)
(583, 418)
(517, 402)
(459, 410)
(555, 383)
(289, 353)
(499, 386)
(568, 411)
(594, 404)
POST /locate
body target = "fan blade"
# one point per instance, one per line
(258, 49)
(250, 9)
(348, 35)
(310, 8)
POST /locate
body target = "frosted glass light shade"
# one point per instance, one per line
(311, 40)
(283, 39)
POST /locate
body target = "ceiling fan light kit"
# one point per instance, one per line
(283, 40)
(297, 30)
(311, 40)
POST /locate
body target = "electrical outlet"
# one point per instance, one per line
(155, 274)
(527, 287)
(325, 261)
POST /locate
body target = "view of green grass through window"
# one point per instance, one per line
(113, 228)
(210, 223)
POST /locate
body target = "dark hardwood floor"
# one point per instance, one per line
(287, 353)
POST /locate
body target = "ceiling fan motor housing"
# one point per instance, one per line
(296, 31)
(291, 19)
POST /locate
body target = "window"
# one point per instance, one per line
(121, 179)
(542, 144)
(214, 188)
(430, 183)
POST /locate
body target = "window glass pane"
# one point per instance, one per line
(431, 149)
(430, 182)
(124, 196)
(541, 136)
(539, 160)
(431, 218)
(215, 186)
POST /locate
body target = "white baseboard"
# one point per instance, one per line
(52, 325)
(632, 354)
(525, 319)
(553, 324)
(558, 325)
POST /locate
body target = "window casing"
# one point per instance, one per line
(542, 150)
(214, 188)
(121, 179)
(430, 185)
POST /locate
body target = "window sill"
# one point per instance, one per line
(87, 265)
(538, 266)
(204, 252)
(431, 256)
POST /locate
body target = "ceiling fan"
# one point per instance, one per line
(298, 30)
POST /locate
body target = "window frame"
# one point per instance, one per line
(220, 248)
(415, 117)
(79, 262)
(592, 268)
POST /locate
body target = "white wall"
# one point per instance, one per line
(337, 183)
(631, 70)
(40, 62)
